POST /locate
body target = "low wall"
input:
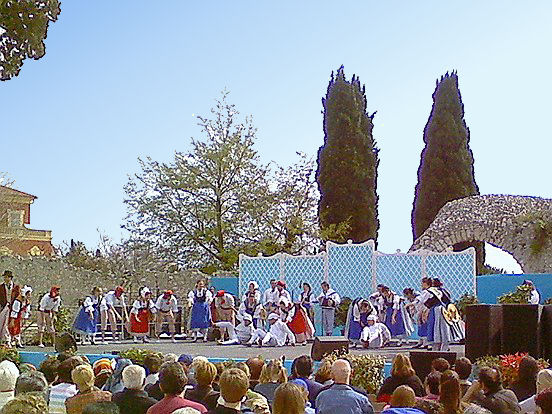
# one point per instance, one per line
(490, 287)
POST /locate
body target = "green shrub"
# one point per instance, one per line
(465, 300)
(521, 295)
(342, 311)
(367, 370)
(10, 354)
(138, 355)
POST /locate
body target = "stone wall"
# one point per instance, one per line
(505, 221)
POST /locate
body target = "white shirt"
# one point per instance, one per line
(256, 312)
(279, 295)
(89, 303)
(243, 332)
(47, 303)
(287, 317)
(376, 331)
(224, 302)
(257, 295)
(535, 297)
(330, 294)
(110, 300)
(281, 332)
(141, 304)
(16, 307)
(421, 299)
(207, 293)
(166, 305)
(269, 296)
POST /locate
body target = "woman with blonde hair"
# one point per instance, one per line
(323, 374)
(289, 399)
(273, 374)
(402, 373)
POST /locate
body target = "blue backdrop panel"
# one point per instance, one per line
(228, 284)
(299, 269)
(259, 269)
(456, 271)
(399, 271)
(490, 287)
(350, 268)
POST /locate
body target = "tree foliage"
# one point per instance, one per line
(347, 164)
(446, 169)
(23, 29)
(217, 201)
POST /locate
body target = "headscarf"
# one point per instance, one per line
(115, 382)
(26, 289)
(273, 316)
(167, 294)
(144, 292)
(119, 290)
(255, 284)
(372, 318)
(54, 291)
(281, 284)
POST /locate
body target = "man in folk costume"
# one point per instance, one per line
(109, 313)
(20, 311)
(357, 319)
(167, 307)
(240, 334)
(253, 308)
(377, 301)
(199, 299)
(252, 287)
(6, 298)
(270, 299)
(48, 307)
(86, 322)
(329, 300)
(224, 303)
(397, 318)
(141, 313)
(278, 335)
(375, 334)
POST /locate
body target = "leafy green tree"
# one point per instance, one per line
(347, 164)
(446, 170)
(23, 28)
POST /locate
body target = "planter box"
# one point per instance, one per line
(483, 330)
(520, 329)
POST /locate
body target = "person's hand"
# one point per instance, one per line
(138, 320)
(393, 320)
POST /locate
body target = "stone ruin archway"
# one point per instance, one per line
(520, 225)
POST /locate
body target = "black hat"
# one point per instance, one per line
(7, 273)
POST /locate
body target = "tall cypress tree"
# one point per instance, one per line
(446, 169)
(347, 164)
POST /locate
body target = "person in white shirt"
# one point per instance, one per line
(281, 292)
(376, 299)
(534, 299)
(141, 313)
(269, 297)
(224, 305)
(375, 334)
(253, 287)
(167, 307)
(329, 300)
(278, 335)
(397, 319)
(421, 312)
(48, 307)
(107, 311)
(241, 334)
(252, 307)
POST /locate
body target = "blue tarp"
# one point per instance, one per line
(490, 287)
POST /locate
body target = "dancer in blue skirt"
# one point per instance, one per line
(200, 298)
(397, 318)
(86, 322)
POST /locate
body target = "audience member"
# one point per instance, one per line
(104, 407)
(440, 365)
(432, 386)
(255, 366)
(272, 375)
(152, 364)
(291, 398)
(133, 399)
(32, 381)
(115, 382)
(463, 368)
(340, 397)
(49, 368)
(402, 373)
(65, 387)
(203, 393)
(323, 374)
(83, 377)
(526, 384)
(26, 403)
(8, 377)
(103, 371)
(450, 396)
(170, 357)
(544, 381)
(302, 369)
(488, 393)
(172, 381)
(186, 410)
(402, 401)
(234, 384)
(253, 399)
(544, 401)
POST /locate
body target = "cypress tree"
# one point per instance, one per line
(347, 164)
(446, 169)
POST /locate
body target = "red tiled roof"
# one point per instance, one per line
(8, 189)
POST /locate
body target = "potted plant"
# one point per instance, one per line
(367, 370)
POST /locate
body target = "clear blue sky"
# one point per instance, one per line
(121, 79)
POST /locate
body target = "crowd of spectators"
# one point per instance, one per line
(186, 385)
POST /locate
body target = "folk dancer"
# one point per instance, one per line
(48, 308)
(252, 287)
(167, 307)
(20, 310)
(307, 299)
(108, 313)
(534, 299)
(397, 318)
(281, 292)
(199, 299)
(375, 334)
(278, 335)
(357, 318)
(270, 299)
(6, 298)
(297, 320)
(86, 322)
(377, 301)
(441, 332)
(421, 312)
(329, 300)
(240, 334)
(253, 308)
(143, 310)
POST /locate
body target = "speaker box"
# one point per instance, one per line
(546, 332)
(520, 329)
(483, 331)
(324, 345)
(421, 361)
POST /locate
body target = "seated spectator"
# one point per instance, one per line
(234, 384)
(323, 375)
(402, 373)
(291, 398)
(302, 369)
(340, 397)
(65, 386)
(49, 368)
(170, 357)
(440, 365)
(104, 407)
(133, 399)
(544, 381)
(544, 401)
(102, 371)
(432, 386)
(8, 377)
(526, 384)
(172, 381)
(253, 399)
(450, 397)
(115, 382)
(152, 363)
(83, 377)
(186, 410)
(202, 392)
(402, 401)
(272, 375)
(220, 368)
(255, 366)
(32, 381)
(27, 403)
(488, 393)
(463, 368)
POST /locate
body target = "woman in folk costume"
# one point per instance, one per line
(441, 332)
(253, 308)
(377, 299)
(357, 318)
(298, 321)
(252, 287)
(141, 313)
(307, 299)
(86, 322)
(20, 310)
(200, 299)
(422, 312)
(397, 318)
(375, 334)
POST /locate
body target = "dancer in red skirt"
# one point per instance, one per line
(140, 315)
(20, 310)
(297, 320)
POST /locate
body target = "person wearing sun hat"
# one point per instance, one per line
(167, 307)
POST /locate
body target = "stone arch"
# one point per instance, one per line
(505, 221)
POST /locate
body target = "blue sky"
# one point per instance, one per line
(121, 79)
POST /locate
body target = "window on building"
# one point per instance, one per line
(15, 218)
